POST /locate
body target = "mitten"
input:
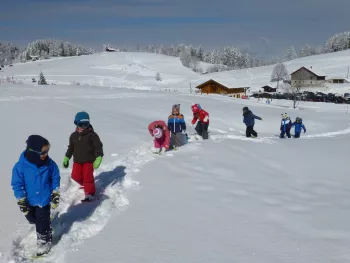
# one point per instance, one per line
(97, 162)
(23, 205)
(65, 162)
(55, 199)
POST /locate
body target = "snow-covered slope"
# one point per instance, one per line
(138, 71)
(226, 199)
(126, 70)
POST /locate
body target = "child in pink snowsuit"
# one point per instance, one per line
(159, 131)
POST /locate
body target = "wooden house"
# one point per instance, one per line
(269, 89)
(213, 87)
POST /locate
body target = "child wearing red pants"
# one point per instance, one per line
(87, 150)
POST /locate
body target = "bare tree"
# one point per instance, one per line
(294, 91)
(279, 73)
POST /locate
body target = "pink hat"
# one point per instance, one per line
(157, 133)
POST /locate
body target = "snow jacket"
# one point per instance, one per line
(85, 147)
(249, 118)
(286, 125)
(201, 116)
(163, 126)
(298, 126)
(33, 182)
(176, 123)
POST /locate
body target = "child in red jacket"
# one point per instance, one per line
(159, 131)
(202, 117)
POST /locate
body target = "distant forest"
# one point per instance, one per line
(230, 57)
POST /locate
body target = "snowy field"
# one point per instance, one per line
(227, 199)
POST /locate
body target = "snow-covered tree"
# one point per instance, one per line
(279, 73)
(307, 50)
(52, 48)
(42, 79)
(232, 57)
(290, 54)
(8, 53)
(338, 42)
(200, 53)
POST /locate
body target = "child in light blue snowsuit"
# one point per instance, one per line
(298, 126)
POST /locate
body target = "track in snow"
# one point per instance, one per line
(79, 221)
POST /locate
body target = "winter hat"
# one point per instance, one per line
(157, 133)
(176, 107)
(245, 109)
(196, 108)
(34, 145)
(82, 117)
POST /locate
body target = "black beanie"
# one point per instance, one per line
(35, 143)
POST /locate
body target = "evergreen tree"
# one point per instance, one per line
(42, 79)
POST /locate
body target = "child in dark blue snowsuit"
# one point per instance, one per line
(249, 121)
(286, 126)
(35, 183)
(298, 126)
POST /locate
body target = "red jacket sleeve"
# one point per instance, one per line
(194, 118)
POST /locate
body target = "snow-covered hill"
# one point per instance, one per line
(138, 71)
(227, 199)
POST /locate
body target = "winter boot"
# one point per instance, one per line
(155, 150)
(43, 248)
(88, 198)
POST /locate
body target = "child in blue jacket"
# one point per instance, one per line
(249, 121)
(298, 126)
(177, 127)
(36, 182)
(286, 126)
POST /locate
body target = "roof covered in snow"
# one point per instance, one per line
(315, 70)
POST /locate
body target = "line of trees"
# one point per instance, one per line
(44, 48)
(230, 57)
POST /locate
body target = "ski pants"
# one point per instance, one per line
(40, 216)
(250, 131)
(83, 174)
(178, 139)
(202, 129)
(284, 133)
(297, 135)
(159, 143)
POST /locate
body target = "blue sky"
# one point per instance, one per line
(266, 27)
